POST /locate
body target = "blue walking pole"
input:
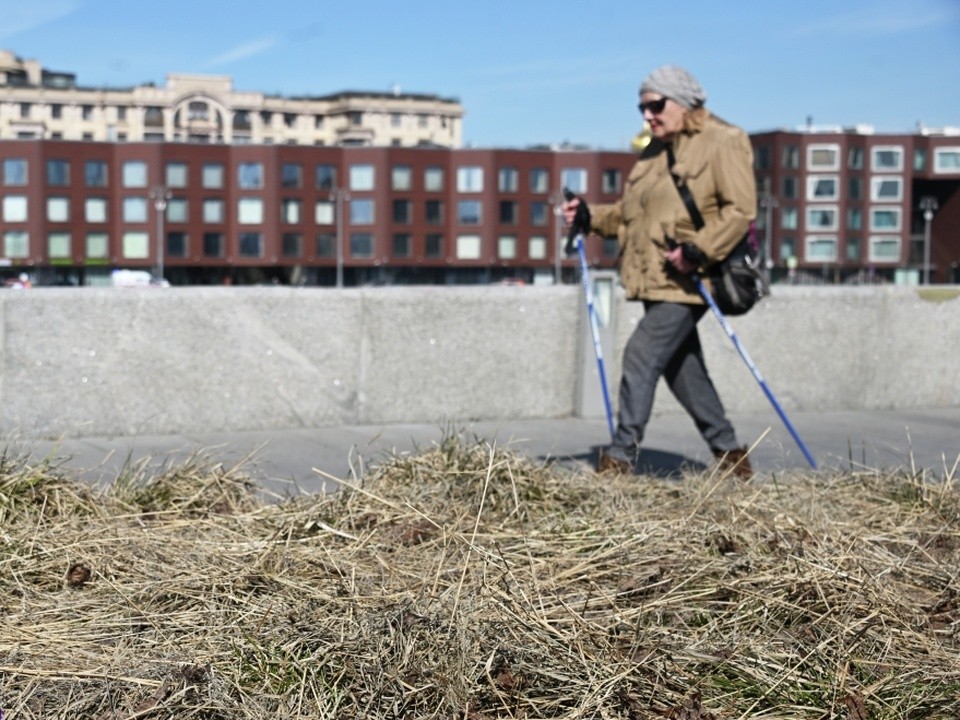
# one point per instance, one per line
(594, 329)
(753, 368)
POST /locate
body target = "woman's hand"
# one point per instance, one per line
(678, 261)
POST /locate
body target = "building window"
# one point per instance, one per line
(507, 247)
(885, 219)
(251, 245)
(919, 160)
(95, 173)
(291, 176)
(946, 160)
(823, 157)
(361, 212)
(290, 211)
(433, 246)
(788, 218)
(362, 177)
(538, 248)
(539, 180)
(326, 177)
(134, 210)
(574, 179)
(470, 179)
(292, 245)
(58, 173)
(153, 116)
(469, 212)
(401, 178)
(324, 212)
(212, 176)
(508, 212)
(97, 246)
(401, 245)
(611, 247)
(402, 212)
(855, 188)
(821, 248)
(59, 246)
(789, 190)
(434, 212)
(468, 247)
(790, 157)
(14, 172)
(56, 111)
(250, 175)
(95, 210)
(886, 158)
(821, 218)
(176, 175)
(787, 248)
(361, 245)
(58, 209)
(886, 188)
(134, 174)
(855, 158)
(761, 158)
(213, 211)
(250, 211)
(853, 248)
(508, 179)
(539, 213)
(16, 244)
(135, 245)
(326, 245)
(823, 187)
(854, 218)
(177, 210)
(213, 245)
(15, 208)
(884, 249)
(611, 181)
(433, 179)
(177, 244)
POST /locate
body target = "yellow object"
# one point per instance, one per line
(641, 139)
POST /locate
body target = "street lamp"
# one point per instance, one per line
(339, 195)
(557, 200)
(161, 195)
(768, 202)
(929, 206)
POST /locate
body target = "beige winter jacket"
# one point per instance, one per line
(715, 160)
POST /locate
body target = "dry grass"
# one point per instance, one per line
(466, 582)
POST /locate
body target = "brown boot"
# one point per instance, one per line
(613, 465)
(735, 462)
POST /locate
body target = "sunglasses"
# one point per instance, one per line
(654, 106)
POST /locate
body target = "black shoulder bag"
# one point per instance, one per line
(736, 280)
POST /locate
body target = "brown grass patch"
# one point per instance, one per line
(467, 582)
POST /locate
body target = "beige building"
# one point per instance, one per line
(36, 103)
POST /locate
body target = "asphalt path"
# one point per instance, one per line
(287, 462)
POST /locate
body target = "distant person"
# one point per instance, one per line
(22, 282)
(660, 248)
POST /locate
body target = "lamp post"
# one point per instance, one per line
(161, 195)
(929, 206)
(768, 202)
(557, 201)
(339, 195)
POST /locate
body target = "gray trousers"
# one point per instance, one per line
(665, 343)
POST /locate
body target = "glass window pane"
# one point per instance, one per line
(16, 243)
(326, 177)
(468, 247)
(97, 245)
(58, 209)
(95, 210)
(15, 208)
(177, 210)
(539, 180)
(250, 211)
(212, 176)
(212, 244)
(251, 245)
(361, 245)
(290, 211)
(213, 211)
(176, 175)
(508, 180)
(14, 172)
(433, 179)
(469, 212)
(470, 179)
(95, 173)
(58, 245)
(507, 247)
(402, 178)
(135, 245)
(324, 213)
(361, 177)
(538, 248)
(134, 174)
(291, 175)
(134, 210)
(574, 179)
(250, 175)
(361, 212)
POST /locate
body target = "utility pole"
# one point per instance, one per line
(768, 202)
(161, 195)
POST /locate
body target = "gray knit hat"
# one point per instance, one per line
(677, 84)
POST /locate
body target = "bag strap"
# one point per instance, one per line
(684, 191)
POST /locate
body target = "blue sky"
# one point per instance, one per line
(527, 71)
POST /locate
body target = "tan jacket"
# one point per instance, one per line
(715, 159)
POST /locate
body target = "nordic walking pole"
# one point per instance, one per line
(575, 237)
(753, 368)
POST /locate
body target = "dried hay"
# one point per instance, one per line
(467, 582)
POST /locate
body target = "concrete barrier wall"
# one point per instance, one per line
(86, 361)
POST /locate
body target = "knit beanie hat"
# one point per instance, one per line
(677, 84)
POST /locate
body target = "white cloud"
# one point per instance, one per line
(244, 51)
(23, 16)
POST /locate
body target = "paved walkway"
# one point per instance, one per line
(302, 460)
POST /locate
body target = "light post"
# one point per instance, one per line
(339, 195)
(929, 206)
(768, 202)
(161, 195)
(557, 201)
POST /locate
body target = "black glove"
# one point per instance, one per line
(691, 253)
(580, 224)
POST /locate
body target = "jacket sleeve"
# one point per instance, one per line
(736, 197)
(606, 219)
